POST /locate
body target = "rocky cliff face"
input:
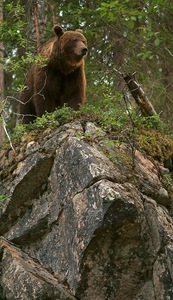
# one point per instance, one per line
(79, 222)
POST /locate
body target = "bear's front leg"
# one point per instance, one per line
(74, 93)
(44, 99)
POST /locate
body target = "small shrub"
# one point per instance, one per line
(3, 198)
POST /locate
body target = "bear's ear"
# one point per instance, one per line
(58, 30)
(79, 30)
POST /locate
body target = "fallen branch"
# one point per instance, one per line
(138, 94)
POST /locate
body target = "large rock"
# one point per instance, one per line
(95, 223)
(23, 278)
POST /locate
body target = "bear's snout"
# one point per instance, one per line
(84, 51)
(80, 49)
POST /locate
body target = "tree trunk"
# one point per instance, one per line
(167, 72)
(1, 77)
(36, 26)
(118, 58)
(36, 12)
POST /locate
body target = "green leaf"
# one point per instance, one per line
(157, 42)
(133, 18)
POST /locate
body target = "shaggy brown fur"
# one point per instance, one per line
(61, 81)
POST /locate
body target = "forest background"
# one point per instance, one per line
(129, 36)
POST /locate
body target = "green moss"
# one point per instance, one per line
(122, 125)
(155, 143)
(48, 120)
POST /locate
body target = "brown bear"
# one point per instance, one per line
(61, 80)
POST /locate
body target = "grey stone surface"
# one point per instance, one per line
(83, 222)
(23, 278)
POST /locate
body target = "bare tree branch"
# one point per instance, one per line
(6, 132)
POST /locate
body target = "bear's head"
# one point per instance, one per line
(72, 45)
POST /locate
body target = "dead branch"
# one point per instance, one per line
(7, 134)
(138, 94)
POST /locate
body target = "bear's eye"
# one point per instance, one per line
(74, 41)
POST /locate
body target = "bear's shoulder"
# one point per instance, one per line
(47, 49)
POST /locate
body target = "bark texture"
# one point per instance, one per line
(1, 78)
(77, 224)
